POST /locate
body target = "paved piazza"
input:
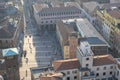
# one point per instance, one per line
(41, 49)
(41, 46)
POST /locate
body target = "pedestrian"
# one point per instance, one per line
(26, 73)
(26, 60)
(25, 54)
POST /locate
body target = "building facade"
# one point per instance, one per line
(68, 39)
(110, 19)
(86, 66)
(47, 15)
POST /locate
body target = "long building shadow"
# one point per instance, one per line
(47, 48)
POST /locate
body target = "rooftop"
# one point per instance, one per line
(99, 1)
(108, 6)
(51, 76)
(91, 6)
(86, 29)
(66, 64)
(103, 60)
(75, 4)
(53, 7)
(57, 4)
(9, 52)
(8, 28)
(115, 13)
(9, 22)
(65, 30)
(95, 41)
(36, 72)
(39, 7)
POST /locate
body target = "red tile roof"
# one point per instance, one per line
(103, 60)
(66, 64)
(115, 13)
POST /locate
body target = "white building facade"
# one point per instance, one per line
(95, 67)
(45, 14)
(106, 31)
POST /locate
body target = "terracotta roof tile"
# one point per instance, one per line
(103, 60)
(115, 13)
(66, 64)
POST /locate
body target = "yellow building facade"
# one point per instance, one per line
(66, 52)
(113, 22)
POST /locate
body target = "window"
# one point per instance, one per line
(103, 78)
(30, 36)
(85, 74)
(75, 77)
(87, 58)
(117, 73)
(74, 71)
(68, 72)
(52, 14)
(97, 68)
(97, 74)
(104, 74)
(51, 21)
(14, 66)
(68, 78)
(111, 67)
(46, 21)
(111, 73)
(104, 68)
(87, 65)
(6, 42)
(9, 68)
(41, 14)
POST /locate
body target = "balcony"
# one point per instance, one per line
(88, 77)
